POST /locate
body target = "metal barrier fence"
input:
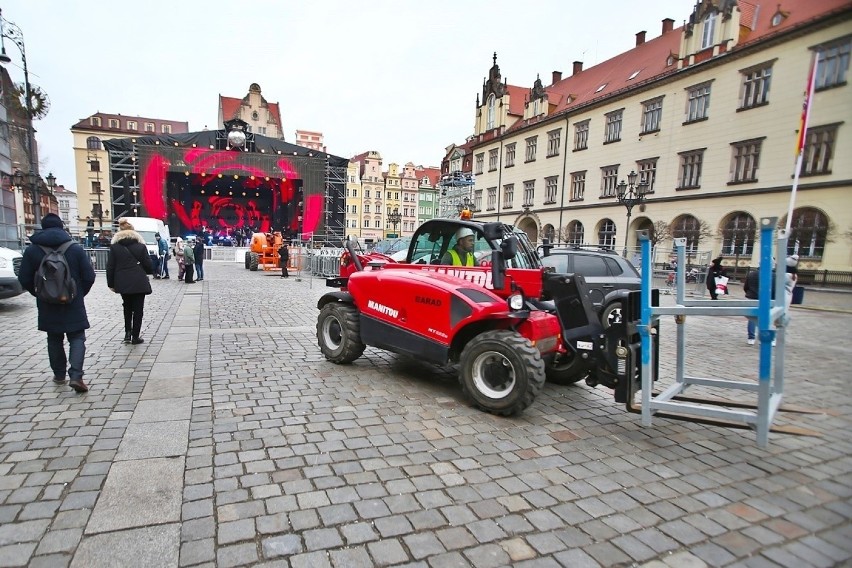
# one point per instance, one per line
(325, 262)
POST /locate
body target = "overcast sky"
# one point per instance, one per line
(400, 77)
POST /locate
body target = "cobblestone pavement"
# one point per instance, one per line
(227, 440)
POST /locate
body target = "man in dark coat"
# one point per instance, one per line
(199, 259)
(61, 320)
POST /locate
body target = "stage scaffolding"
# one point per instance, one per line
(124, 183)
(335, 203)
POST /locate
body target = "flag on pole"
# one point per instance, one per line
(802, 138)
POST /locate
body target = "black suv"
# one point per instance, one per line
(608, 275)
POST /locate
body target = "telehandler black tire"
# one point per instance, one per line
(501, 372)
(253, 262)
(565, 369)
(248, 259)
(339, 333)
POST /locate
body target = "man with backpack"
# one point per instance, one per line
(59, 274)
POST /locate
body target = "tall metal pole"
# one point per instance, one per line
(11, 31)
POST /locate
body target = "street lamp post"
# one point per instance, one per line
(10, 31)
(630, 194)
(394, 218)
(463, 205)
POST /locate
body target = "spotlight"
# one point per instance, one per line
(230, 193)
(157, 142)
(252, 177)
(244, 194)
(194, 144)
(186, 173)
(236, 176)
(262, 151)
(279, 152)
(220, 176)
(211, 146)
(256, 194)
(217, 192)
(202, 191)
(176, 143)
(267, 178)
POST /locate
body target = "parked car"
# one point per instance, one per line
(10, 266)
(609, 276)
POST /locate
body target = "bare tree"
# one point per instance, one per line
(660, 232)
(692, 229)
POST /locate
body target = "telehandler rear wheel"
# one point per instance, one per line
(248, 260)
(501, 372)
(253, 261)
(339, 333)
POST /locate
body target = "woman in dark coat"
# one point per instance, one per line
(128, 267)
(713, 271)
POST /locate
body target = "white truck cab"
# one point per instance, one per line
(10, 266)
(148, 227)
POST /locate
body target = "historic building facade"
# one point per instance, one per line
(706, 116)
(91, 160)
(262, 117)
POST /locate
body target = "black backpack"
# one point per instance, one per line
(53, 281)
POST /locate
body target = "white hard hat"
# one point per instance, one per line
(464, 232)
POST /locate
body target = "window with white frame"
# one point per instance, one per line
(690, 169)
(554, 139)
(96, 187)
(377, 224)
(93, 143)
(353, 209)
(354, 192)
(477, 200)
(606, 234)
(149, 127)
(366, 209)
(480, 163)
(491, 111)
(612, 132)
(738, 235)
(114, 123)
(492, 199)
(833, 63)
(819, 150)
(609, 180)
(532, 144)
(510, 155)
(508, 195)
(576, 233)
(708, 31)
(95, 121)
(529, 193)
(131, 125)
(581, 135)
(697, 102)
(652, 114)
(493, 156)
(550, 189)
(745, 158)
(578, 185)
(755, 86)
(648, 173)
(808, 233)
(366, 223)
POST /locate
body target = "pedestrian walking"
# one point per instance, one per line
(198, 249)
(61, 320)
(163, 255)
(178, 252)
(128, 267)
(189, 260)
(283, 259)
(713, 271)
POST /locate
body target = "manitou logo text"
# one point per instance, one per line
(382, 309)
(478, 277)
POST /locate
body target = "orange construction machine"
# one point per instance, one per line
(263, 251)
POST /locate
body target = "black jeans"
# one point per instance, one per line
(187, 277)
(76, 354)
(134, 306)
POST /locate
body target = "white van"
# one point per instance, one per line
(148, 227)
(10, 265)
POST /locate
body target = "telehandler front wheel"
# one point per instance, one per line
(339, 333)
(253, 261)
(501, 372)
(248, 260)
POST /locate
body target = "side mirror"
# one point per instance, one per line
(509, 248)
(493, 231)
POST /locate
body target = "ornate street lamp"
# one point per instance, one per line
(51, 182)
(463, 205)
(630, 194)
(394, 218)
(10, 31)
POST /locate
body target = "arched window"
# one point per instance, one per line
(489, 121)
(738, 235)
(606, 234)
(93, 143)
(808, 233)
(575, 233)
(689, 228)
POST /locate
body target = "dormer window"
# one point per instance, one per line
(670, 60)
(536, 107)
(778, 18)
(708, 32)
(489, 122)
(95, 120)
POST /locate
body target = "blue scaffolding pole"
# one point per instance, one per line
(771, 316)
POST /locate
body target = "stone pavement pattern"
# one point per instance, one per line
(227, 440)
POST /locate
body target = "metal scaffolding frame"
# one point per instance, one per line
(124, 183)
(771, 316)
(453, 188)
(335, 203)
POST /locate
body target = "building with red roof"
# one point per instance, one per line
(262, 117)
(706, 115)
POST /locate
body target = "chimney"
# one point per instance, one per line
(557, 76)
(668, 25)
(578, 66)
(640, 38)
